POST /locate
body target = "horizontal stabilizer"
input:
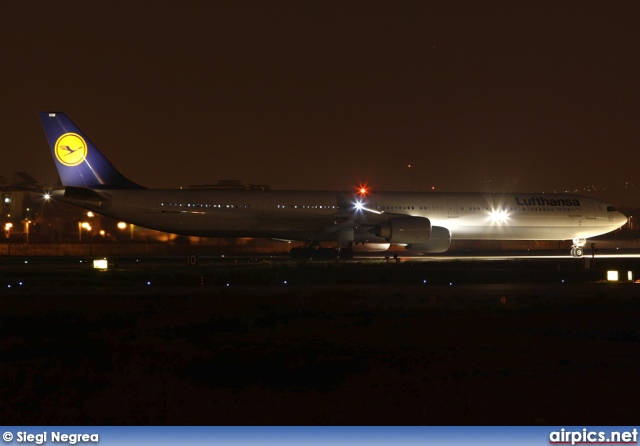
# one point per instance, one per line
(85, 194)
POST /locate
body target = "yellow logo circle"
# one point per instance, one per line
(71, 149)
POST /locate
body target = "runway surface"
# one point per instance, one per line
(267, 341)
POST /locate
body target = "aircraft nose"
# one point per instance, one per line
(620, 219)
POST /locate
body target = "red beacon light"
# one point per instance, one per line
(363, 190)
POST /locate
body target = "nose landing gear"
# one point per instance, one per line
(576, 248)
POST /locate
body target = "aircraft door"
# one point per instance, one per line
(452, 205)
(591, 211)
(152, 202)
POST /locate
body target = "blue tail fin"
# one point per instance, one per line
(79, 162)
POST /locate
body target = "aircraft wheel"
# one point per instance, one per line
(579, 252)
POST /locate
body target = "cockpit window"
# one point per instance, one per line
(611, 209)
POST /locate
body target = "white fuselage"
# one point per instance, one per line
(317, 215)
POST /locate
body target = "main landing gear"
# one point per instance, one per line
(576, 248)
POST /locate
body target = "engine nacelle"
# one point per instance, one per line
(404, 230)
(440, 241)
(370, 247)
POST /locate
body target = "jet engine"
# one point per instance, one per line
(440, 241)
(370, 247)
(407, 230)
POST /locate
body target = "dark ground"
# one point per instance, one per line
(340, 344)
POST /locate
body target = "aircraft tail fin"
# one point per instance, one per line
(79, 162)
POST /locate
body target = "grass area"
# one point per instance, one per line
(354, 354)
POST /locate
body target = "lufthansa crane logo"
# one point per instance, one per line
(71, 149)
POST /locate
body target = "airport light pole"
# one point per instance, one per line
(7, 231)
(122, 226)
(45, 203)
(88, 227)
(27, 223)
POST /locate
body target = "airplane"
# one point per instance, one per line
(423, 222)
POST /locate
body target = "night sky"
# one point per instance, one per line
(475, 95)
